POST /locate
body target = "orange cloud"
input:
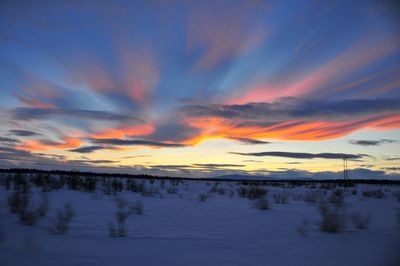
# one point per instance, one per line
(137, 130)
(37, 145)
(288, 130)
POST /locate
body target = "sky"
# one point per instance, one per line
(284, 89)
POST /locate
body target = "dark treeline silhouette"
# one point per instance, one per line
(89, 178)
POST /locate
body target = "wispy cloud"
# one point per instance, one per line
(8, 140)
(23, 133)
(303, 155)
(88, 149)
(217, 165)
(23, 113)
(251, 141)
(371, 142)
(297, 108)
(132, 142)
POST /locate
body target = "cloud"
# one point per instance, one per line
(304, 155)
(251, 141)
(174, 131)
(171, 166)
(93, 161)
(329, 78)
(44, 144)
(392, 159)
(391, 168)
(124, 131)
(292, 118)
(130, 142)
(213, 165)
(371, 142)
(88, 149)
(8, 140)
(296, 108)
(221, 31)
(23, 113)
(23, 133)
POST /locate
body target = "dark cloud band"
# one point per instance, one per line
(303, 155)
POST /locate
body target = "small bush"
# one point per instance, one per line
(43, 207)
(20, 204)
(122, 215)
(18, 201)
(262, 204)
(254, 192)
(396, 194)
(281, 197)
(328, 186)
(333, 221)
(360, 221)
(63, 220)
(337, 197)
(202, 197)
(28, 217)
(172, 190)
(111, 230)
(304, 227)
(137, 208)
(374, 193)
(312, 196)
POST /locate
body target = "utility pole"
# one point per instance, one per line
(345, 172)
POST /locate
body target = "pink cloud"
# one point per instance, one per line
(223, 32)
(356, 58)
(140, 72)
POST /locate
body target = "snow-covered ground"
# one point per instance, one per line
(177, 228)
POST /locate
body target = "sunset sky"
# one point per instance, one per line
(201, 88)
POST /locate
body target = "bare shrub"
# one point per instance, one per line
(281, 197)
(253, 192)
(1, 230)
(312, 196)
(122, 215)
(202, 197)
(262, 204)
(112, 231)
(333, 220)
(297, 197)
(216, 189)
(28, 216)
(137, 208)
(63, 220)
(43, 207)
(360, 221)
(396, 194)
(398, 217)
(303, 228)
(172, 190)
(374, 193)
(337, 197)
(328, 186)
(20, 203)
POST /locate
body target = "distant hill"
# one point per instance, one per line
(257, 177)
